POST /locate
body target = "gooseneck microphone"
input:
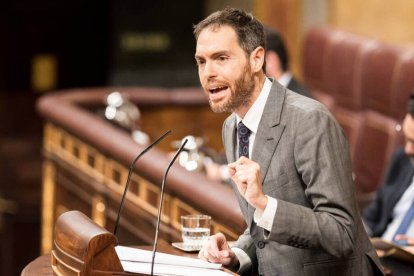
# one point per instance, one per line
(160, 206)
(129, 177)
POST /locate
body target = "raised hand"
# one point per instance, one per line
(246, 174)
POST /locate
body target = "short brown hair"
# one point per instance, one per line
(249, 31)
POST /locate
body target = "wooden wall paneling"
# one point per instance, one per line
(286, 16)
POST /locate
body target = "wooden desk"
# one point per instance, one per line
(41, 265)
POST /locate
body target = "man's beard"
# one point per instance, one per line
(240, 95)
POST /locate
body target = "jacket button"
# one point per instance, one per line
(261, 244)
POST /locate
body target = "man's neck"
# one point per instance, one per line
(259, 82)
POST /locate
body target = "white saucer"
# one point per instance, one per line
(187, 247)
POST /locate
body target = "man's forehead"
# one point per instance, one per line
(216, 36)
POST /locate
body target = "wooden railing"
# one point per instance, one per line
(86, 161)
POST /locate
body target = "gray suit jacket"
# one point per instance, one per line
(305, 165)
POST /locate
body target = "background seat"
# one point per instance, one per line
(403, 84)
(317, 41)
(366, 84)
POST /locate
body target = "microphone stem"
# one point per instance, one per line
(157, 227)
(129, 178)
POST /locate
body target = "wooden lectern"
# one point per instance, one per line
(83, 248)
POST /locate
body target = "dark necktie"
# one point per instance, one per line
(405, 224)
(244, 134)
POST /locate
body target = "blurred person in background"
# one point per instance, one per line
(395, 199)
(277, 63)
(391, 215)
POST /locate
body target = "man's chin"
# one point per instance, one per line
(218, 107)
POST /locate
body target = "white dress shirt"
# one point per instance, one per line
(285, 78)
(251, 120)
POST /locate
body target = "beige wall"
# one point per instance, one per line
(387, 20)
(390, 21)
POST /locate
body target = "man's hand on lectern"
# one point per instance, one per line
(217, 250)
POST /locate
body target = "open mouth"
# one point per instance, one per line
(217, 89)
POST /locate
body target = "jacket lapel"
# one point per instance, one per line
(404, 181)
(269, 132)
(229, 134)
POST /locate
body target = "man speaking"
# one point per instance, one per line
(288, 160)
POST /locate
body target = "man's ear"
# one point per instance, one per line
(257, 59)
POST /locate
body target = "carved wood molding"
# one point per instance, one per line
(74, 136)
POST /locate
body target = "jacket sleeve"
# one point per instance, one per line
(245, 243)
(323, 167)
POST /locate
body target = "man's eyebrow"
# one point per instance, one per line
(215, 54)
(219, 53)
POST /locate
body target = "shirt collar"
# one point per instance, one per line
(252, 118)
(285, 78)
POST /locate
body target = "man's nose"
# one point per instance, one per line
(209, 69)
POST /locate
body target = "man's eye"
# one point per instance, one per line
(200, 62)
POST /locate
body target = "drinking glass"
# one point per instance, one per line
(195, 229)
